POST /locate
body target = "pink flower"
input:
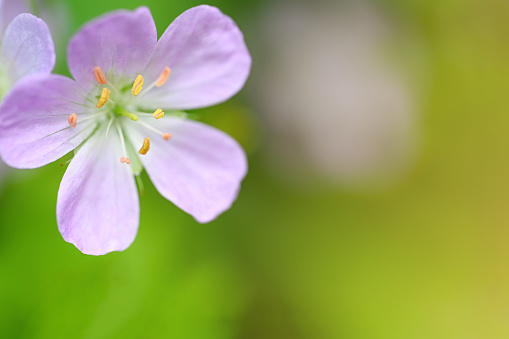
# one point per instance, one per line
(26, 45)
(121, 114)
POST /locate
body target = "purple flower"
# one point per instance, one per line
(26, 45)
(121, 114)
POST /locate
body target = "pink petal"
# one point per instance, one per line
(199, 169)
(97, 207)
(208, 58)
(27, 47)
(34, 128)
(121, 40)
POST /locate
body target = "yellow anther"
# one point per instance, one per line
(163, 77)
(167, 136)
(137, 85)
(99, 76)
(72, 120)
(146, 146)
(105, 96)
(125, 160)
(158, 114)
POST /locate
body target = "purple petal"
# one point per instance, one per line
(208, 58)
(9, 9)
(199, 169)
(34, 128)
(122, 40)
(97, 206)
(27, 47)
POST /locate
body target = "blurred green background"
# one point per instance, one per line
(421, 253)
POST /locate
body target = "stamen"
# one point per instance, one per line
(160, 81)
(166, 136)
(105, 95)
(137, 85)
(72, 120)
(99, 76)
(158, 114)
(125, 160)
(145, 147)
(163, 77)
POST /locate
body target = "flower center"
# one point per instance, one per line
(115, 103)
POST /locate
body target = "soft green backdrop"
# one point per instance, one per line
(427, 258)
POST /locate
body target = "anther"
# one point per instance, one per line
(137, 85)
(167, 136)
(105, 95)
(146, 146)
(158, 114)
(99, 76)
(125, 160)
(72, 120)
(163, 77)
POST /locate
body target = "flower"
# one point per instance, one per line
(121, 114)
(26, 45)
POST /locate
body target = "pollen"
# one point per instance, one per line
(167, 136)
(72, 120)
(99, 76)
(163, 77)
(146, 146)
(105, 96)
(125, 160)
(137, 85)
(158, 114)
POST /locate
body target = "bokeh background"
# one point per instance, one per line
(375, 205)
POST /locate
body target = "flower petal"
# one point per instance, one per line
(27, 47)
(34, 128)
(121, 40)
(10, 9)
(97, 207)
(208, 58)
(199, 169)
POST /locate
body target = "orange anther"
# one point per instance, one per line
(72, 120)
(167, 136)
(99, 76)
(163, 77)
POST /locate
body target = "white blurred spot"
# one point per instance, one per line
(332, 103)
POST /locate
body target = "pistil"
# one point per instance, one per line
(120, 111)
